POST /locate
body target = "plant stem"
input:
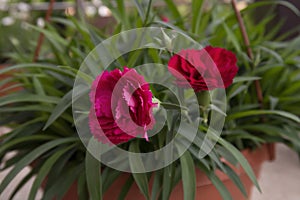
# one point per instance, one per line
(270, 146)
(249, 50)
(41, 36)
(147, 12)
(203, 98)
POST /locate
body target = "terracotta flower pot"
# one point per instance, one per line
(205, 190)
(10, 87)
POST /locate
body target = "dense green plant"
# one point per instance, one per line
(43, 128)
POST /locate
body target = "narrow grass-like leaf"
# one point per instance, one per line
(108, 177)
(188, 174)
(235, 179)
(147, 12)
(252, 113)
(266, 3)
(31, 157)
(237, 91)
(121, 8)
(81, 187)
(167, 182)
(156, 186)
(197, 15)
(79, 73)
(172, 106)
(216, 182)
(38, 86)
(21, 184)
(25, 139)
(272, 53)
(136, 165)
(232, 37)
(36, 66)
(140, 9)
(25, 97)
(240, 158)
(176, 14)
(61, 106)
(45, 169)
(126, 188)
(63, 183)
(93, 176)
(245, 79)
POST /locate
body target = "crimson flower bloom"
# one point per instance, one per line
(121, 106)
(205, 69)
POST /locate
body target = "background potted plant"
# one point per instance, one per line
(43, 127)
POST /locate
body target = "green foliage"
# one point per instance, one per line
(43, 127)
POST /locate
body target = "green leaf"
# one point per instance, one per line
(58, 189)
(236, 179)
(263, 112)
(188, 175)
(172, 7)
(232, 37)
(136, 165)
(93, 176)
(84, 31)
(263, 128)
(25, 97)
(59, 167)
(58, 43)
(216, 182)
(126, 188)
(156, 186)
(108, 177)
(272, 53)
(242, 134)
(79, 73)
(245, 79)
(118, 10)
(140, 9)
(25, 139)
(167, 181)
(21, 184)
(238, 90)
(61, 106)
(45, 169)
(122, 10)
(27, 108)
(29, 127)
(81, 187)
(265, 3)
(147, 12)
(31, 157)
(38, 86)
(240, 158)
(134, 57)
(197, 15)
(36, 66)
(11, 87)
(173, 27)
(62, 78)
(172, 106)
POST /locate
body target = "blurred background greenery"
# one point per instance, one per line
(41, 112)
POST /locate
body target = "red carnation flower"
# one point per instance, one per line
(121, 106)
(197, 68)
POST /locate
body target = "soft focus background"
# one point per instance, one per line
(280, 179)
